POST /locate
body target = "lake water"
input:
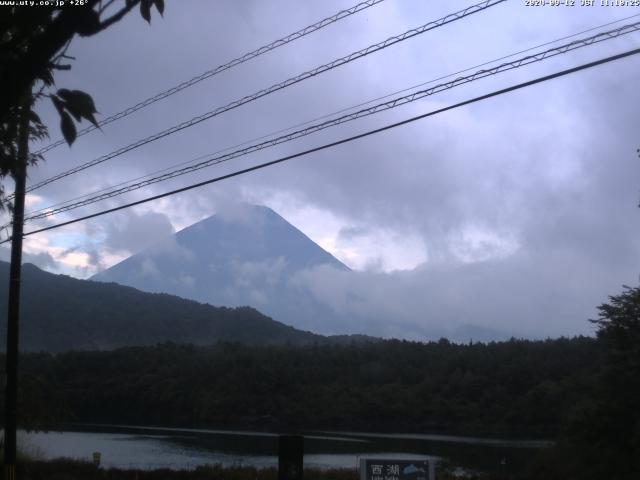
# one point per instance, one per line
(128, 446)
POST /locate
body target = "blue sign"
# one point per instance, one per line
(377, 469)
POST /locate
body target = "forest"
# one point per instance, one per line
(582, 392)
(516, 388)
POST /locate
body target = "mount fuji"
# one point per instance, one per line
(252, 258)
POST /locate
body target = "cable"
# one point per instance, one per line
(279, 86)
(221, 68)
(255, 139)
(346, 118)
(131, 180)
(342, 141)
(392, 104)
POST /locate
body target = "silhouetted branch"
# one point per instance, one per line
(117, 16)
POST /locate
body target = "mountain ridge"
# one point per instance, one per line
(61, 313)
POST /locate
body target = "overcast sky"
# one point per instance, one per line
(519, 212)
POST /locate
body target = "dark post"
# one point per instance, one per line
(11, 392)
(290, 453)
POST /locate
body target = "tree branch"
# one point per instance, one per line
(62, 54)
(116, 17)
(105, 7)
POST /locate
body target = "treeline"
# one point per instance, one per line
(514, 388)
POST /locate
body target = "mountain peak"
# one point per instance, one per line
(245, 255)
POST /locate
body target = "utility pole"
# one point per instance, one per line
(11, 391)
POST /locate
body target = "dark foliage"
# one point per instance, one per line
(516, 388)
(602, 438)
(33, 45)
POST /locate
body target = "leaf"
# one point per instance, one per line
(160, 6)
(73, 112)
(34, 118)
(145, 10)
(78, 98)
(35, 158)
(93, 120)
(89, 23)
(46, 76)
(68, 128)
(79, 104)
(59, 104)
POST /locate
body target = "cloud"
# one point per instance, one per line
(258, 297)
(134, 232)
(269, 272)
(149, 268)
(518, 213)
(186, 280)
(48, 254)
(234, 210)
(476, 244)
(511, 298)
(43, 260)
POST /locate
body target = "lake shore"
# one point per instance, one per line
(79, 470)
(129, 447)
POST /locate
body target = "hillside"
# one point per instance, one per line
(60, 313)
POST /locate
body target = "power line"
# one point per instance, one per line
(342, 141)
(221, 68)
(528, 60)
(255, 139)
(392, 104)
(147, 175)
(276, 87)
